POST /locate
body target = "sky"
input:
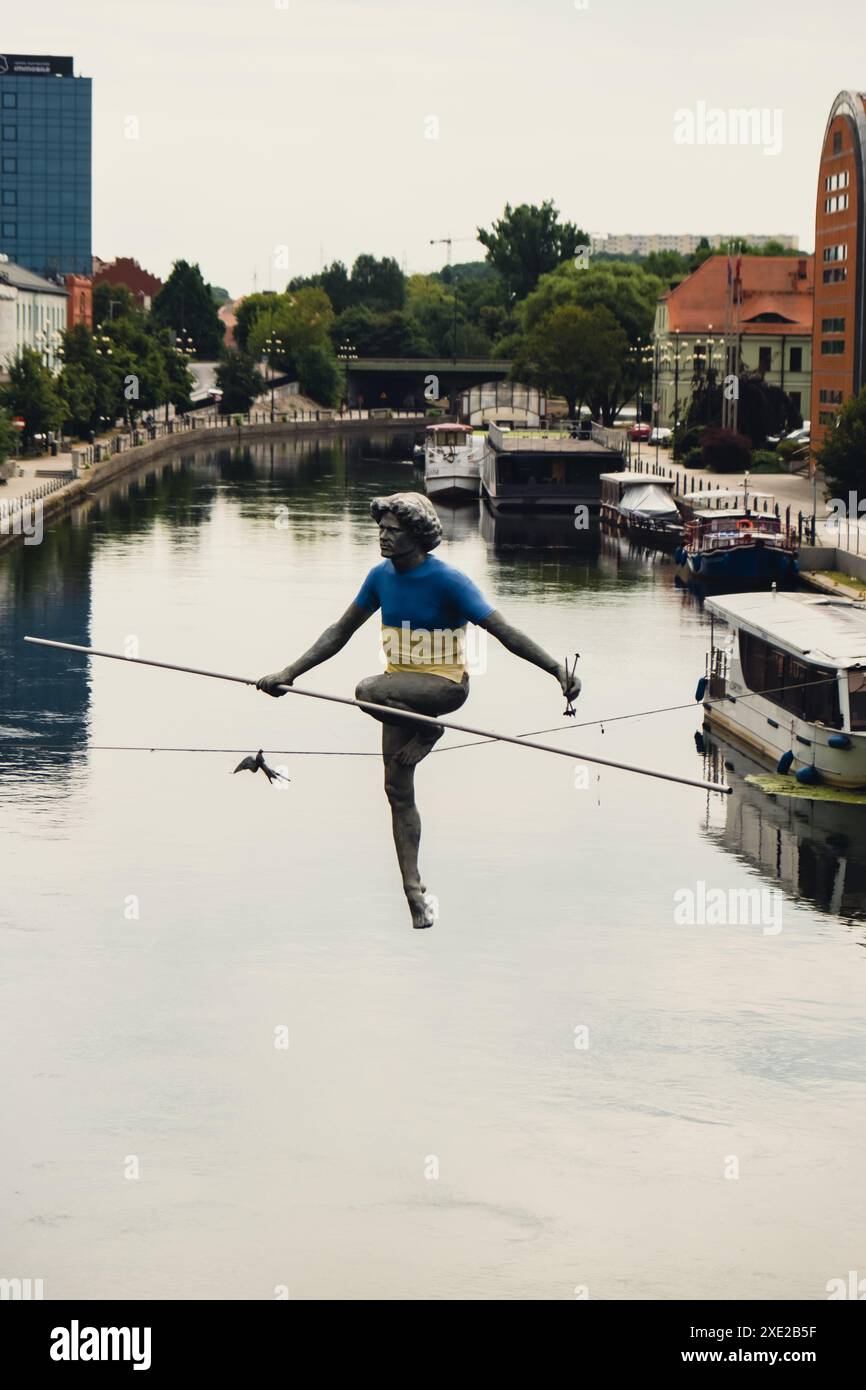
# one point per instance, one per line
(263, 138)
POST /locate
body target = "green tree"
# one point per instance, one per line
(842, 455)
(246, 314)
(299, 320)
(32, 393)
(378, 283)
(763, 409)
(668, 266)
(112, 301)
(79, 391)
(334, 280)
(179, 378)
(622, 287)
(185, 304)
(89, 382)
(320, 375)
(395, 334)
(398, 335)
(240, 381)
(527, 242)
(358, 326)
(581, 354)
(8, 444)
(139, 361)
(432, 308)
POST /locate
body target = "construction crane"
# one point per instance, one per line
(449, 242)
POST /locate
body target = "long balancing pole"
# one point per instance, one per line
(392, 714)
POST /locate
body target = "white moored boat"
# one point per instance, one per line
(807, 654)
(452, 461)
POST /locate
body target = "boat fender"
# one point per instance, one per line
(783, 766)
(701, 689)
(696, 561)
(680, 555)
(838, 741)
(808, 776)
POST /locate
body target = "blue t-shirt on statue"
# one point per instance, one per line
(424, 616)
(433, 595)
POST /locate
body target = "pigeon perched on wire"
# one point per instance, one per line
(253, 764)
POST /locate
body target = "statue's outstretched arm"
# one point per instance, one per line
(332, 640)
(524, 647)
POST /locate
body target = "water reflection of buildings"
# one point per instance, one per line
(459, 523)
(618, 545)
(541, 531)
(813, 850)
(44, 706)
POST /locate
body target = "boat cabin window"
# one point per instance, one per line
(808, 691)
(758, 521)
(857, 698)
(447, 439)
(540, 471)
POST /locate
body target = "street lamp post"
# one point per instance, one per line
(346, 353)
(185, 349)
(643, 357)
(678, 350)
(272, 345)
(656, 402)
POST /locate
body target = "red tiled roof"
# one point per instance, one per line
(770, 285)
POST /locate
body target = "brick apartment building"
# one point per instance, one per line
(839, 338)
(125, 271)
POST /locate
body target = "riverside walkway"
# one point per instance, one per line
(54, 480)
(58, 481)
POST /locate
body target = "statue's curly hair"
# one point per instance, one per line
(414, 511)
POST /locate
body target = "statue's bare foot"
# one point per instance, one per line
(418, 747)
(421, 908)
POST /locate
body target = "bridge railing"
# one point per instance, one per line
(612, 439)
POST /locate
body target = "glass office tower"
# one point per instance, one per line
(45, 179)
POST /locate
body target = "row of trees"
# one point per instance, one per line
(130, 364)
(572, 330)
(126, 367)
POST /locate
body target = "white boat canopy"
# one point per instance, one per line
(826, 630)
(648, 501)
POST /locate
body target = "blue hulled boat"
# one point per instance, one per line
(737, 547)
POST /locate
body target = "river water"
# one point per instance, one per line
(232, 1070)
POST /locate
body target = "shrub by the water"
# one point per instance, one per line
(765, 461)
(725, 451)
(789, 449)
(685, 440)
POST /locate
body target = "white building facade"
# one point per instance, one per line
(33, 313)
(686, 243)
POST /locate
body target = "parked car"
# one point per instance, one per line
(800, 436)
(661, 435)
(640, 432)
